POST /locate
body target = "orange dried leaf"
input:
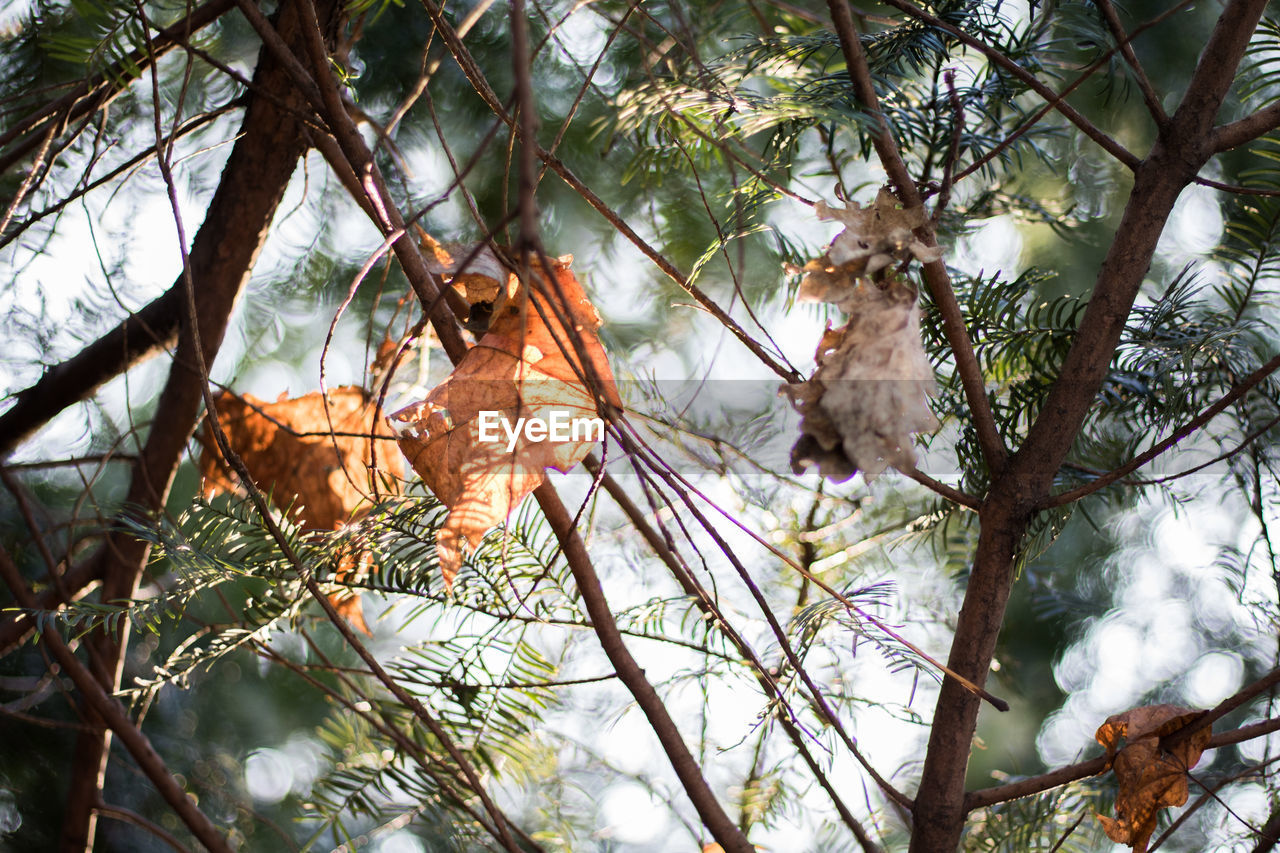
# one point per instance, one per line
(455, 439)
(292, 453)
(1149, 777)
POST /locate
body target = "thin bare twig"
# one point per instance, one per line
(1123, 42)
(1239, 390)
(1088, 128)
(129, 816)
(713, 815)
(481, 84)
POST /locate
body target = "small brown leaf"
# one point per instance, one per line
(1149, 777)
(454, 438)
(292, 453)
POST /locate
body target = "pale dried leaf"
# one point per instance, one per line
(870, 391)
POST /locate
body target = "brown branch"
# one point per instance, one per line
(1245, 130)
(1088, 128)
(98, 91)
(1124, 43)
(1237, 391)
(328, 100)
(1034, 785)
(138, 336)
(1176, 157)
(527, 115)
(1179, 152)
(1084, 769)
(221, 257)
(482, 87)
(939, 804)
(713, 815)
(1226, 706)
(935, 273)
(1269, 835)
(106, 708)
(951, 493)
(1238, 189)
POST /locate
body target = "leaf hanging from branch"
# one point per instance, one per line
(515, 405)
(869, 393)
(1150, 777)
(321, 462)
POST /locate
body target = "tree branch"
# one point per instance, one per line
(482, 87)
(1070, 113)
(1179, 152)
(713, 815)
(328, 101)
(108, 709)
(1269, 835)
(1176, 157)
(1094, 766)
(935, 273)
(98, 91)
(1247, 129)
(222, 256)
(1237, 391)
(1124, 44)
(139, 336)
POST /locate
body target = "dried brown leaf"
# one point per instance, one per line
(1149, 777)
(292, 453)
(517, 370)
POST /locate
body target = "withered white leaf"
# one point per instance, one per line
(869, 393)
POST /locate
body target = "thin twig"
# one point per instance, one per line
(713, 815)
(1244, 386)
(1088, 128)
(98, 91)
(124, 815)
(481, 84)
(1124, 43)
(1084, 769)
